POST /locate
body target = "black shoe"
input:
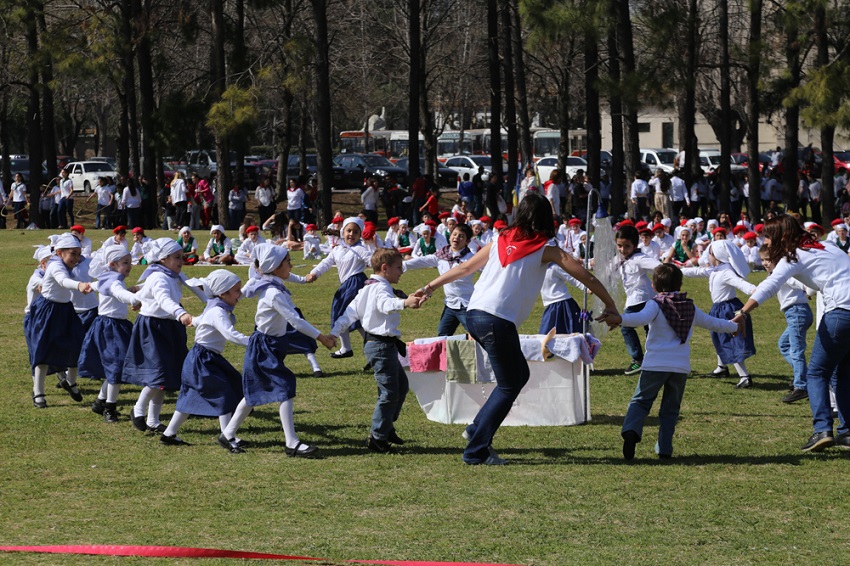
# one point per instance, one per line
(38, 401)
(160, 428)
(318, 373)
(379, 446)
(843, 440)
(138, 422)
(309, 452)
(720, 371)
(338, 354)
(633, 369)
(630, 439)
(229, 445)
(98, 406)
(110, 415)
(744, 383)
(368, 366)
(173, 441)
(75, 395)
(393, 438)
(795, 395)
(60, 377)
(819, 441)
(242, 443)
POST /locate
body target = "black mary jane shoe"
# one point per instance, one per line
(38, 401)
(173, 441)
(75, 395)
(310, 452)
(230, 445)
(340, 355)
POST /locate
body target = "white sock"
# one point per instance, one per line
(112, 390)
(38, 377)
(314, 363)
(155, 407)
(741, 368)
(71, 378)
(176, 421)
(223, 420)
(287, 419)
(102, 394)
(720, 363)
(345, 342)
(239, 415)
(141, 407)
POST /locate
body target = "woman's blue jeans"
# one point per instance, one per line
(830, 354)
(500, 340)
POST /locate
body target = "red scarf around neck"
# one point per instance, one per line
(512, 245)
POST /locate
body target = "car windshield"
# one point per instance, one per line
(576, 161)
(548, 162)
(97, 166)
(842, 155)
(666, 157)
(20, 165)
(482, 160)
(376, 161)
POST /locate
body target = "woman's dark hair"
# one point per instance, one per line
(534, 216)
(629, 233)
(467, 231)
(667, 278)
(786, 234)
(280, 225)
(131, 184)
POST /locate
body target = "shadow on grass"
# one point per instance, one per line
(554, 457)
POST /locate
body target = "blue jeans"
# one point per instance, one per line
(630, 336)
(450, 320)
(792, 343)
(392, 386)
(648, 386)
(830, 355)
(500, 340)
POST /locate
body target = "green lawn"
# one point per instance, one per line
(737, 491)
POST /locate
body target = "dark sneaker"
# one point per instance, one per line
(393, 438)
(98, 406)
(110, 415)
(492, 460)
(795, 395)
(632, 369)
(843, 440)
(630, 439)
(819, 441)
(318, 373)
(379, 446)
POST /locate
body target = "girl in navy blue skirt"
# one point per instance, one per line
(158, 343)
(105, 345)
(560, 311)
(56, 333)
(211, 386)
(351, 258)
(42, 254)
(265, 378)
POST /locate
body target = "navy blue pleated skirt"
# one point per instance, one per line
(564, 316)
(211, 386)
(55, 334)
(155, 354)
(299, 343)
(87, 318)
(732, 349)
(105, 349)
(264, 377)
(344, 295)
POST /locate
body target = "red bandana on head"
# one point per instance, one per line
(512, 246)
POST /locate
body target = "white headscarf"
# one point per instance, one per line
(42, 253)
(184, 230)
(66, 241)
(218, 227)
(353, 220)
(727, 252)
(269, 256)
(101, 259)
(216, 283)
(161, 248)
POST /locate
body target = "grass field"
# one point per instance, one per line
(738, 489)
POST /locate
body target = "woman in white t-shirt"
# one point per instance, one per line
(131, 202)
(514, 264)
(20, 200)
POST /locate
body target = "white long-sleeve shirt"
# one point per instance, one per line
(275, 310)
(246, 248)
(83, 302)
(349, 260)
(32, 290)
(214, 328)
(792, 293)
(377, 309)
(294, 199)
(640, 189)
(178, 191)
(653, 250)
(57, 283)
(664, 350)
(664, 242)
(457, 292)
(369, 198)
(636, 282)
(116, 306)
(723, 282)
(130, 201)
(556, 285)
(160, 297)
(825, 270)
(678, 190)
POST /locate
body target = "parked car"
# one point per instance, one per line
(293, 169)
(546, 165)
(84, 174)
(842, 159)
(657, 158)
(446, 177)
(21, 164)
(469, 164)
(360, 166)
(709, 160)
(108, 160)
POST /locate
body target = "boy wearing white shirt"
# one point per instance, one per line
(377, 308)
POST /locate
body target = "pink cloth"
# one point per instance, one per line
(427, 357)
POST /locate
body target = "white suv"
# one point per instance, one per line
(85, 174)
(657, 158)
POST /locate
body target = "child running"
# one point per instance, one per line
(211, 387)
(105, 345)
(157, 346)
(671, 317)
(265, 378)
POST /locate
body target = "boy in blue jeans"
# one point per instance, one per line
(671, 317)
(377, 307)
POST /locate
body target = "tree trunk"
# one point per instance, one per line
(510, 94)
(593, 120)
(426, 120)
(525, 144)
(690, 143)
(414, 87)
(792, 115)
(495, 90)
(322, 101)
(753, 110)
(615, 103)
(48, 121)
(5, 165)
(151, 167)
(238, 68)
(284, 134)
(725, 109)
(564, 103)
(219, 85)
(827, 133)
(34, 120)
(631, 140)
